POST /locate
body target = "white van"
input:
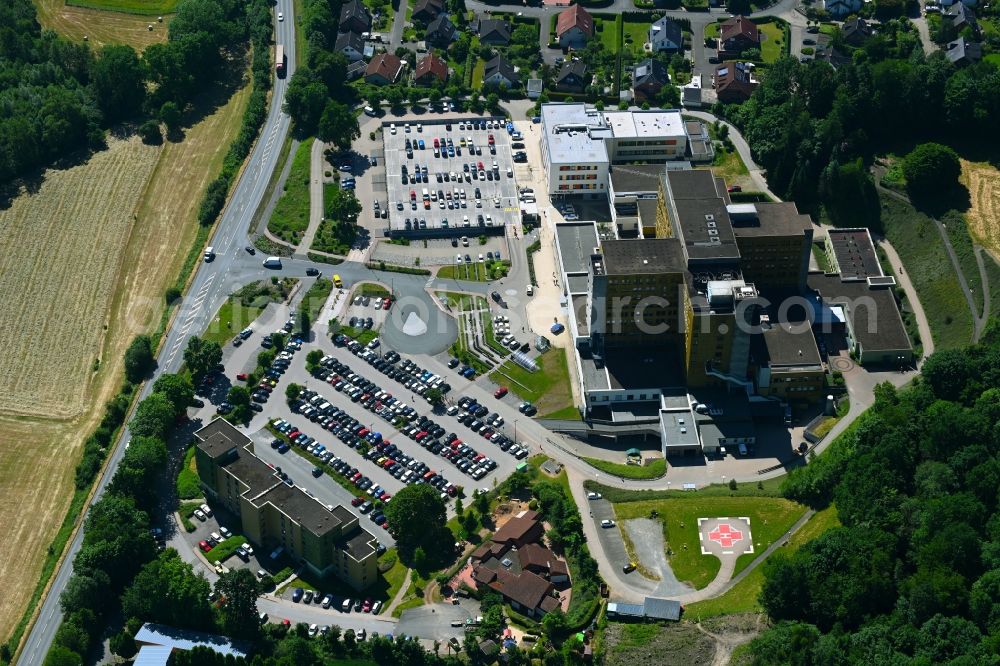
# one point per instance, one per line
(209, 253)
(272, 262)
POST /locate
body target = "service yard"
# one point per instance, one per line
(467, 188)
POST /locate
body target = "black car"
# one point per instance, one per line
(317, 472)
(250, 249)
(312, 271)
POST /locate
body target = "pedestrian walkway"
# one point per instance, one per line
(315, 196)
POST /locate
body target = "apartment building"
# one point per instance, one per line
(279, 518)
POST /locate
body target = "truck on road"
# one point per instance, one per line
(279, 60)
(272, 262)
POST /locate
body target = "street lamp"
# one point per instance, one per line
(515, 431)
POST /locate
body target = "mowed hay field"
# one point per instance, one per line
(100, 27)
(60, 251)
(38, 454)
(983, 182)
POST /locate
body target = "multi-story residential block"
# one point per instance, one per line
(280, 518)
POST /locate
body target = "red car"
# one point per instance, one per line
(368, 606)
(242, 376)
(490, 139)
(480, 166)
(734, 188)
(205, 546)
(500, 392)
(413, 195)
(386, 303)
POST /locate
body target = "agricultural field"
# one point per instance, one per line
(100, 27)
(38, 453)
(60, 250)
(142, 7)
(983, 182)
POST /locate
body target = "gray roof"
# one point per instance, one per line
(963, 51)
(153, 655)
(791, 345)
(701, 216)
(628, 368)
(349, 39)
(186, 639)
(662, 609)
(584, 143)
(500, 65)
(577, 241)
(857, 26)
(220, 436)
(877, 324)
(639, 256)
(636, 177)
(855, 254)
(496, 29)
(573, 68)
(361, 545)
(441, 28)
(355, 9)
(678, 428)
(666, 31)
(650, 71)
(772, 219)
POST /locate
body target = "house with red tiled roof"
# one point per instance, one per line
(430, 69)
(736, 35)
(384, 69)
(734, 81)
(574, 27)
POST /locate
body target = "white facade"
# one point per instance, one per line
(580, 143)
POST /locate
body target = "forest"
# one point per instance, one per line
(58, 97)
(913, 574)
(808, 125)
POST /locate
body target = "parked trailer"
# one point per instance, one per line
(279, 59)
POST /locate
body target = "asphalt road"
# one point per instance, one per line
(209, 284)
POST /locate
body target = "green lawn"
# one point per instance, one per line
(993, 59)
(186, 511)
(919, 246)
(143, 7)
(653, 470)
(316, 297)
(772, 41)
(822, 258)
(188, 483)
(961, 242)
(477, 271)
(477, 74)
(712, 30)
(742, 598)
(992, 273)
(491, 340)
(231, 318)
(290, 218)
(635, 32)
(605, 26)
(565, 414)
(371, 289)
(226, 548)
(548, 388)
(770, 517)
(462, 302)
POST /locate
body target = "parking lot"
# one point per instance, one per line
(469, 187)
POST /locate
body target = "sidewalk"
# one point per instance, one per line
(316, 179)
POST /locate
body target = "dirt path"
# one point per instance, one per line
(727, 641)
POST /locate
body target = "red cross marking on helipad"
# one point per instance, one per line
(725, 535)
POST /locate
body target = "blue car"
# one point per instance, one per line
(421, 144)
(469, 374)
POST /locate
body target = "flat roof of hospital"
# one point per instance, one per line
(577, 241)
(643, 256)
(573, 145)
(655, 122)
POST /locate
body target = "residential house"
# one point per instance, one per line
(961, 52)
(967, 3)
(522, 529)
(574, 27)
(841, 8)
(351, 45)
(736, 35)
(430, 70)
(962, 17)
(648, 78)
(492, 32)
(856, 31)
(440, 31)
(526, 592)
(354, 17)
(384, 69)
(572, 77)
(499, 72)
(734, 81)
(425, 11)
(543, 562)
(666, 36)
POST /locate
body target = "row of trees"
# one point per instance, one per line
(914, 572)
(57, 96)
(808, 124)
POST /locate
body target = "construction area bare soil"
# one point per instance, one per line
(679, 644)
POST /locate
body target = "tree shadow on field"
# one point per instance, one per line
(235, 75)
